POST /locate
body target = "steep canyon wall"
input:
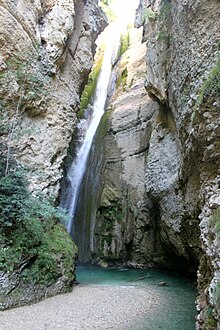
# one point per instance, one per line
(46, 54)
(160, 198)
(160, 183)
(183, 77)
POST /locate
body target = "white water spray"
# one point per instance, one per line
(78, 167)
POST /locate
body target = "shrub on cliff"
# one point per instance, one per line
(33, 242)
(211, 86)
(89, 90)
(215, 220)
(124, 43)
(13, 194)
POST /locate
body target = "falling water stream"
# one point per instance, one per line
(78, 167)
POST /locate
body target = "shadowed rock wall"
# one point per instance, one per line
(160, 200)
(183, 76)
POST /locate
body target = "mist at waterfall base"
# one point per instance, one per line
(173, 305)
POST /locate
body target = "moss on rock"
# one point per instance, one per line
(89, 90)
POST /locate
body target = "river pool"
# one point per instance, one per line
(175, 308)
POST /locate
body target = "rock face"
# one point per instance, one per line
(46, 55)
(159, 191)
(160, 197)
(23, 285)
(143, 219)
(47, 50)
(182, 76)
(124, 225)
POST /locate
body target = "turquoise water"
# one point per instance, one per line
(176, 309)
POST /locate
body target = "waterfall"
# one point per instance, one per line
(78, 167)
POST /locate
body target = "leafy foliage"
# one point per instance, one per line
(23, 69)
(53, 249)
(122, 79)
(13, 194)
(30, 233)
(124, 43)
(211, 86)
(149, 13)
(216, 220)
(90, 87)
(32, 241)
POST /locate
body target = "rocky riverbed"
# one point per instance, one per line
(87, 307)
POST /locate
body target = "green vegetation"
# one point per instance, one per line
(13, 193)
(22, 83)
(216, 221)
(216, 295)
(150, 14)
(122, 79)
(211, 86)
(209, 320)
(164, 21)
(33, 241)
(108, 216)
(55, 256)
(90, 87)
(32, 83)
(106, 7)
(124, 44)
(89, 90)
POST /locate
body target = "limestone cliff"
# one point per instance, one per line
(46, 54)
(159, 194)
(183, 77)
(125, 221)
(47, 51)
(160, 199)
(142, 217)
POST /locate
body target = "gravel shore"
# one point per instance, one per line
(87, 307)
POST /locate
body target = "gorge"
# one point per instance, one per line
(150, 195)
